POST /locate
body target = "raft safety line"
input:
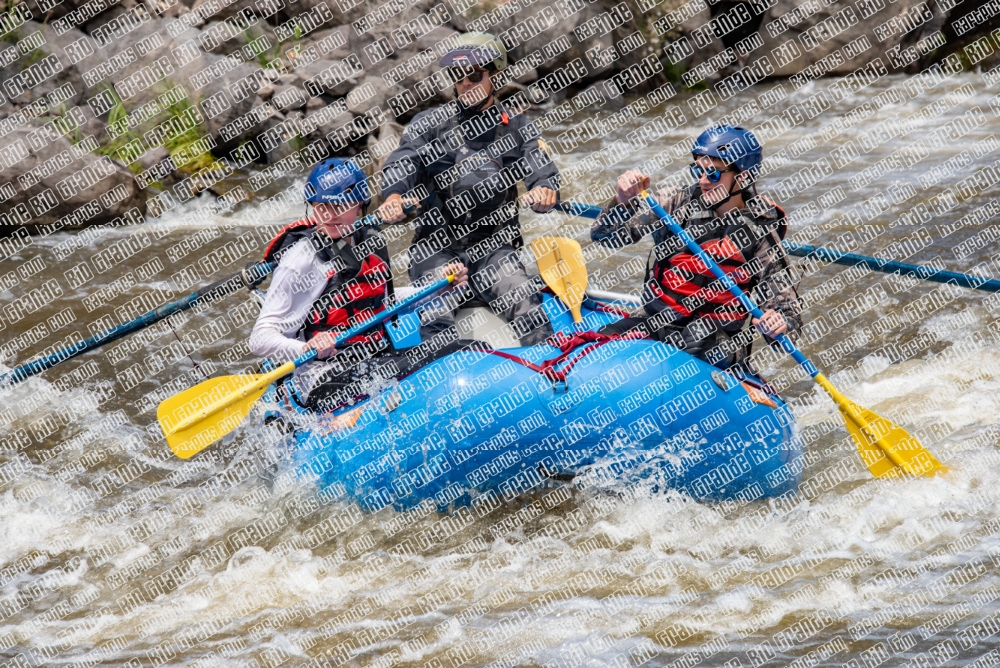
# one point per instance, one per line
(567, 344)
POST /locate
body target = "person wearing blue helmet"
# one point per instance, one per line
(331, 275)
(684, 304)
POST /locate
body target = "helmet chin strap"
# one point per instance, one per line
(477, 107)
(715, 206)
(741, 191)
(722, 201)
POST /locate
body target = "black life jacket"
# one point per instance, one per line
(356, 288)
(479, 190)
(471, 203)
(684, 284)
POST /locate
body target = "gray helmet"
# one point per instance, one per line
(476, 48)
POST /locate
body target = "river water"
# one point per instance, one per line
(114, 553)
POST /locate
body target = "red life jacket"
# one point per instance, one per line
(355, 289)
(686, 285)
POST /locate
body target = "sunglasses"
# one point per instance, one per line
(475, 76)
(713, 174)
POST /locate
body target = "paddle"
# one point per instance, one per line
(563, 269)
(891, 267)
(243, 279)
(198, 417)
(846, 259)
(885, 448)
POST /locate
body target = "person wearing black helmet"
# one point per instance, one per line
(330, 277)
(470, 154)
(684, 304)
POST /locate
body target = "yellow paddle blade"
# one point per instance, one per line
(886, 448)
(198, 417)
(563, 269)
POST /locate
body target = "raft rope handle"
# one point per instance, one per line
(567, 344)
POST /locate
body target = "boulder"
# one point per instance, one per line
(329, 14)
(117, 12)
(330, 77)
(152, 157)
(321, 121)
(386, 142)
(273, 151)
(331, 42)
(607, 91)
(266, 92)
(229, 10)
(384, 47)
(370, 92)
(49, 11)
(54, 48)
(286, 97)
(173, 61)
(601, 53)
(88, 190)
(221, 38)
(831, 40)
(438, 35)
(221, 91)
(529, 76)
(796, 37)
(420, 50)
(92, 126)
(694, 45)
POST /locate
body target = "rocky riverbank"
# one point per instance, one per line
(114, 110)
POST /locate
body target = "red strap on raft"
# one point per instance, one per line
(567, 344)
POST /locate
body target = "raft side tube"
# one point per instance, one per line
(475, 425)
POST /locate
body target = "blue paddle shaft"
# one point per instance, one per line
(375, 220)
(379, 318)
(891, 267)
(579, 209)
(846, 259)
(728, 282)
(371, 220)
(223, 287)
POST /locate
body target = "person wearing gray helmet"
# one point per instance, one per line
(470, 154)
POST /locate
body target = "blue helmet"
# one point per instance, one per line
(338, 181)
(733, 145)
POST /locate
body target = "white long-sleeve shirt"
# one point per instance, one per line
(296, 285)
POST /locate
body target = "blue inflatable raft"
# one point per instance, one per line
(476, 427)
